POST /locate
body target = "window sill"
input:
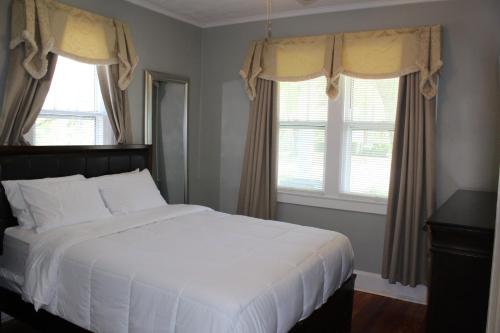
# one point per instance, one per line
(349, 203)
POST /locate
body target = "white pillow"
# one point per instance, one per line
(58, 204)
(16, 199)
(132, 193)
(108, 180)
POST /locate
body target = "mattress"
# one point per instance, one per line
(16, 246)
(184, 268)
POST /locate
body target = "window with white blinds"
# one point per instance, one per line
(339, 150)
(303, 115)
(73, 112)
(369, 116)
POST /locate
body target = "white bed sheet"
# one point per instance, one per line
(184, 269)
(16, 245)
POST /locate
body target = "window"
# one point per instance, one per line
(368, 127)
(336, 153)
(73, 112)
(303, 120)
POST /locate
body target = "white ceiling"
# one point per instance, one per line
(209, 13)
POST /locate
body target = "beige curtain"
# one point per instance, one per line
(116, 102)
(257, 195)
(371, 54)
(24, 98)
(48, 26)
(412, 188)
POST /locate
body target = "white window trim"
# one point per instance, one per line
(332, 197)
(99, 117)
(340, 202)
(98, 114)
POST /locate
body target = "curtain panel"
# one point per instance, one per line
(116, 103)
(412, 189)
(372, 54)
(47, 26)
(23, 100)
(257, 196)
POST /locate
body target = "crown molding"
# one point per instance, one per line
(286, 14)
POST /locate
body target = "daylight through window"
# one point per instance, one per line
(73, 112)
(336, 149)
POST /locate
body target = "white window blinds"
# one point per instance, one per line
(369, 116)
(73, 112)
(336, 149)
(303, 116)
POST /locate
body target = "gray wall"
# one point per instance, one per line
(163, 44)
(468, 122)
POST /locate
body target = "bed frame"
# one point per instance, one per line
(57, 161)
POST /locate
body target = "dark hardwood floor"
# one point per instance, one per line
(376, 314)
(371, 314)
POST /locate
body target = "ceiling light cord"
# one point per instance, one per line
(269, 23)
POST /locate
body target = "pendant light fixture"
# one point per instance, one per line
(269, 23)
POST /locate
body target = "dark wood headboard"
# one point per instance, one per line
(20, 162)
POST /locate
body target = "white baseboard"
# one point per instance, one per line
(5, 317)
(374, 284)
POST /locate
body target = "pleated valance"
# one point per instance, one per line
(372, 54)
(49, 26)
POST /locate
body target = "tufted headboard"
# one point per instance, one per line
(19, 162)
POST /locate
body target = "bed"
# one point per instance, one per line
(178, 268)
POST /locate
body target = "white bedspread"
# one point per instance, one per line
(185, 268)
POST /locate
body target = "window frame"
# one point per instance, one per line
(334, 180)
(305, 125)
(98, 114)
(301, 125)
(99, 117)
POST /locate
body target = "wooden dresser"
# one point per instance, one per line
(462, 235)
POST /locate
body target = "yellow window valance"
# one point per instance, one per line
(371, 54)
(49, 26)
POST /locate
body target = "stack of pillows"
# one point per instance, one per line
(48, 203)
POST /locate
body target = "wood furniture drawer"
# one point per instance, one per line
(468, 241)
(461, 248)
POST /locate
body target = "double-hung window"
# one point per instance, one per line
(336, 153)
(73, 112)
(303, 120)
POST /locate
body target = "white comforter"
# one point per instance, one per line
(185, 268)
